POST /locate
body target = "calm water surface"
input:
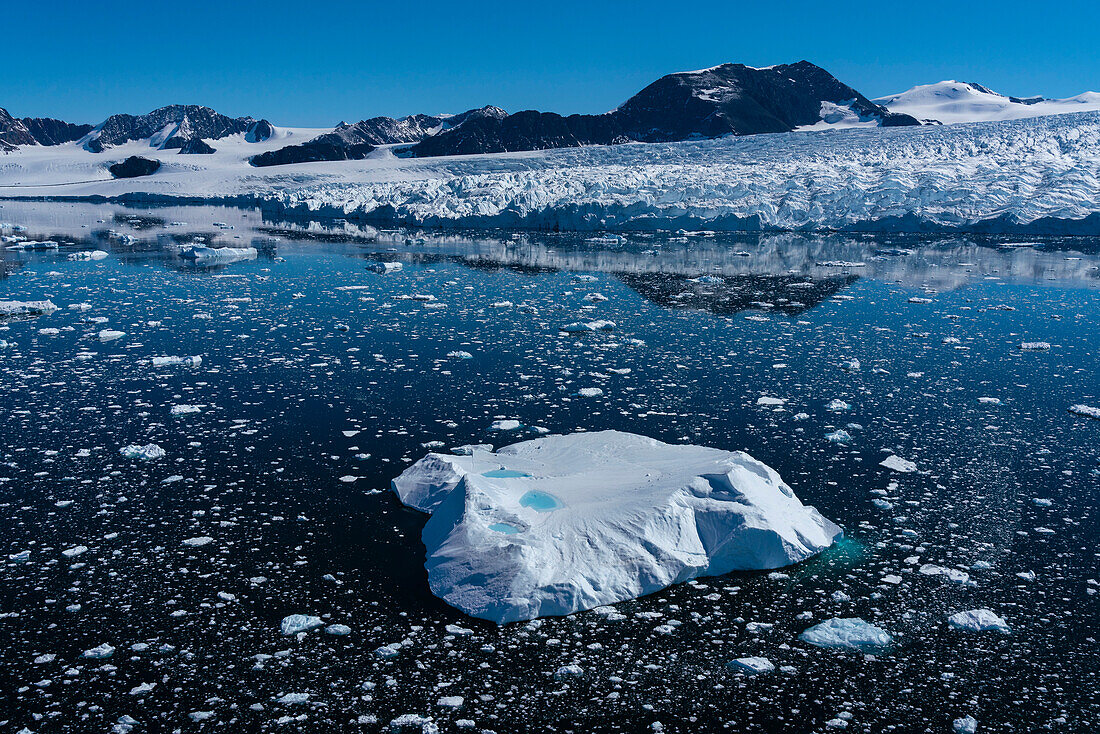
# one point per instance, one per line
(321, 380)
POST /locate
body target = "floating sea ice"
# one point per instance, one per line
(898, 464)
(185, 409)
(339, 630)
(568, 671)
(837, 406)
(990, 401)
(292, 698)
(391, 650)
(839, 436)
(505, 425)
(751, 665)
(199, 541)
(292, 624)
(459, 355)
(110, 335)
(451, 702)
(978, 620)
(148, 452)
(770, 401)
(193, 361)
(88, 255)
(76, 550)
(589, 392)
(1085, 410)
(1034, 346)
(951, 574)
(26, 308)
(100, 652)
(852, 633)
(965, 725)
(389, 267)
(580, 327)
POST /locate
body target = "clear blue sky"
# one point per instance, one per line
(315, 63)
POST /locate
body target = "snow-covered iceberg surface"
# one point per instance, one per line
(560, 524)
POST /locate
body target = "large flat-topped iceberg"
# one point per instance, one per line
(565, 523)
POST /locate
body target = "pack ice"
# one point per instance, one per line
(565, 523)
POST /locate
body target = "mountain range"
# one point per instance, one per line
(729, 99)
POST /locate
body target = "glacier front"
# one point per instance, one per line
(560, 524)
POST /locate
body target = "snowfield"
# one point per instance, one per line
(559, 524)
(1038, 175)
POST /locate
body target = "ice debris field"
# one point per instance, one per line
(200, 532)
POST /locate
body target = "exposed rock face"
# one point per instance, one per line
(170, 127)
(196, 146)
(48, 131)
(355, 141)
(133, 167)
(727, 99)
(13, 132)
(37, 130)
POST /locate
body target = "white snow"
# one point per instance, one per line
(1013, 171)
(978, 620)
(851, 632)
(952, 102)
(559, 524)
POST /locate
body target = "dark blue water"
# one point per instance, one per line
(321, 380)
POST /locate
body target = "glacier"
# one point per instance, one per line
(1037, 175)
(564, 523)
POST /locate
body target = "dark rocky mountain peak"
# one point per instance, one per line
(730, 99)
(355, 141)
(37, 131)
(171, 127)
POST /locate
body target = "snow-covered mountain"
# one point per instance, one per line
(355, 141)
(172, 127)
(730, 99)
(953, 102)
(36, 131)
(1028, 177)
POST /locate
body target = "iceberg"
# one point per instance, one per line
(560, 524)
(851, 632)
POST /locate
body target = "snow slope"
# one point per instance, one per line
(1038, 175)
(953, 102)
(564, 523)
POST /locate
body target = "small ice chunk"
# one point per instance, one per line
(148, 452)
(751, 665)
(99, 652)
(198, 541)
(292, 624)
(898, 464)
(852, 633)
(978, 620)
(965, 725)
(338, 629)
